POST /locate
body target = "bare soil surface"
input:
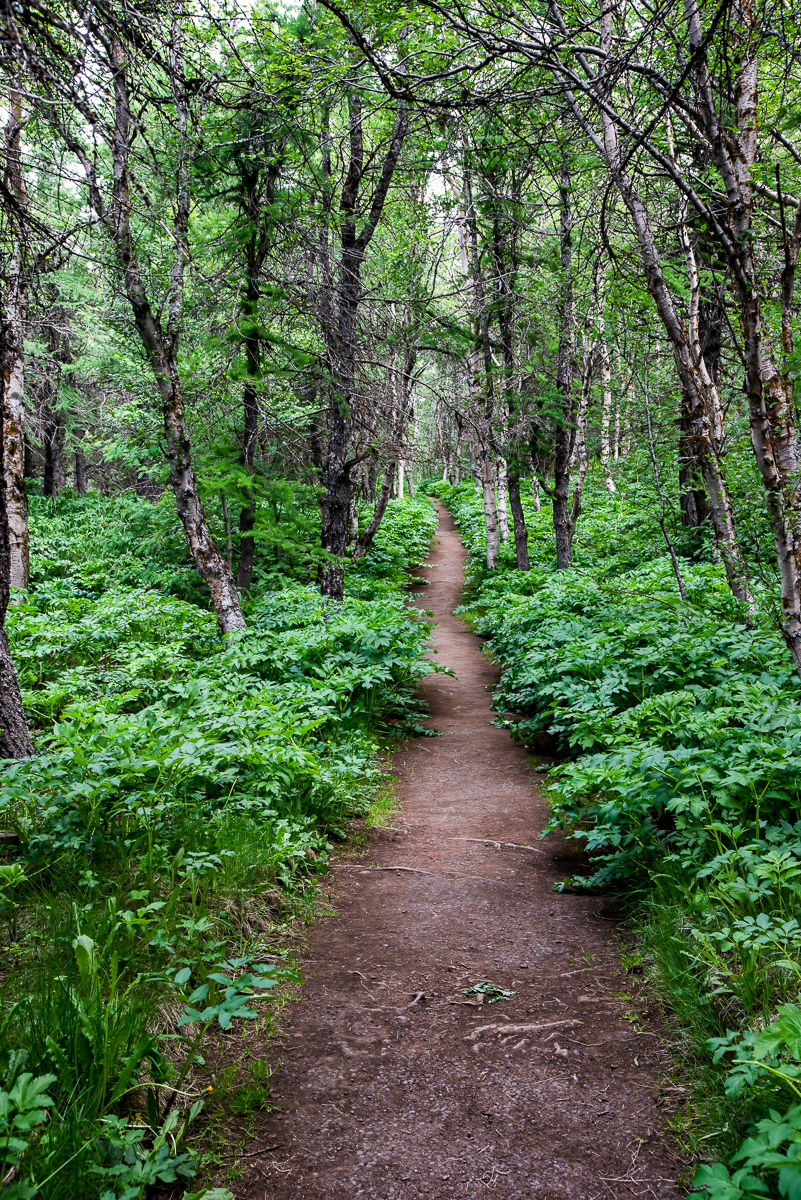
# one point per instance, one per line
(396, 1084)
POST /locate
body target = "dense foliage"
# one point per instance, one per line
(183, 798)
(266, 266)
(678, 731)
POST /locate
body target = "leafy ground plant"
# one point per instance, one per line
(179, 811)
(677, 732)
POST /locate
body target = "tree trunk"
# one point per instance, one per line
(58, 334)
(162, 353)
(52, 444)
(456, 469)
(566, 421)
(15, 741)
(487, 452)
(535, 494)
(487, 480)
(580, 457)
(341, 339)
(606, 415)
(229, 547)
(769, 386)
(252, 203)
(691, 368)
(80, 464)
(366, 540)
(503, 520)
(14, 392)
(441, 441)
(692, 496)
(519, 520)
(247, 514)
(353, 520)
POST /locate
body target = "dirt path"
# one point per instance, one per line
(394, 1085)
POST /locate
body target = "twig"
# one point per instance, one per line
(497, 845)
(471, 1037)
(415, 870)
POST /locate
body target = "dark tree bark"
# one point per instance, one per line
(52, 446)
(369, 482)
(518, 517)
(692, 494)
(80, 463)
(483, 420)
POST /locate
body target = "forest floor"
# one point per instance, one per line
(397, 1084)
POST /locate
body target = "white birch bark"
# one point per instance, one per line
(503, 518)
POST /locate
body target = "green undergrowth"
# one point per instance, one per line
(678, 734)
(172, 829)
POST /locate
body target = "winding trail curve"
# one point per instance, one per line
(394, 1085)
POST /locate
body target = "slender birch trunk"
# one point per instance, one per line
(622, 396)
(519, 519)
(581, 458)
(503, 520)
(441, 441)
(413, 449)
(488, 481)
(606, 415)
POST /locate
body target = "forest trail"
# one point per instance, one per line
(394, 1085)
